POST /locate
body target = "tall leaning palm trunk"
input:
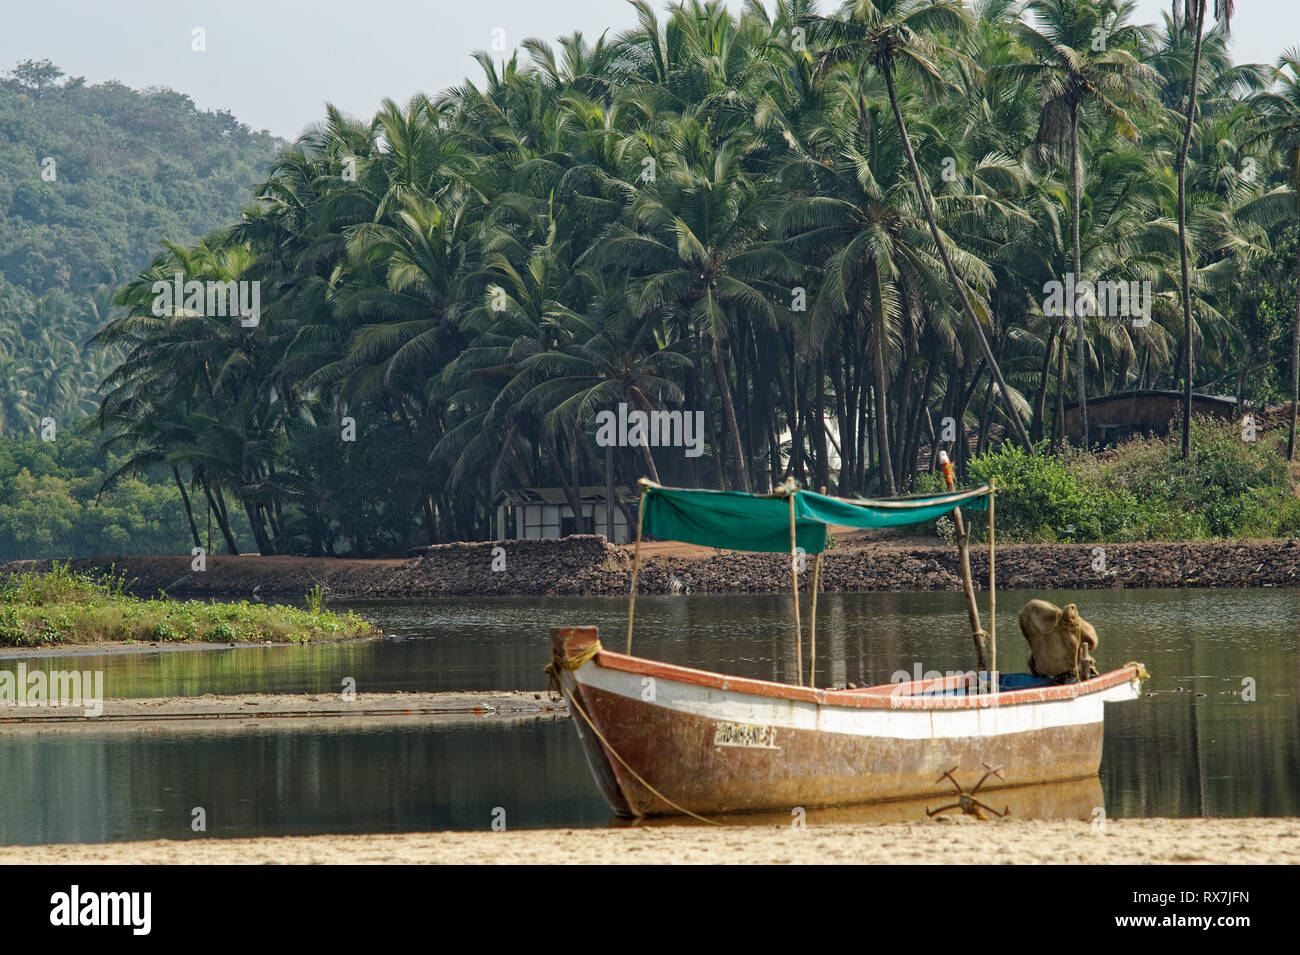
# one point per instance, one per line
(878, 370)
(1197, 17)
(1194, 14)
(1074, 71)
(1080, 350)
(884, 57)
(1295, 364)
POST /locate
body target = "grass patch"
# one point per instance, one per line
(63, 606)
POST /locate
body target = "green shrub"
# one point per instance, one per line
(1142, 490)
(1041, 498)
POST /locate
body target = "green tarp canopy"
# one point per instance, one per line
(736, 521)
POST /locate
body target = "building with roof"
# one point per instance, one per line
(1114, 418)
(544, 512)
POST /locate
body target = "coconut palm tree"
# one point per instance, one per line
(1279, 111)
(469, 276)
(696, 233)
(15, 401)
(1081, 55)
(1194, 17)
(859, 217)
(604, 355)
(891, 37)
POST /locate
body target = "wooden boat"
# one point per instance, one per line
(668, 739)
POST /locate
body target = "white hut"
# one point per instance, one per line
(535, 513)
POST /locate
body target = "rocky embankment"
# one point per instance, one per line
(586, 564)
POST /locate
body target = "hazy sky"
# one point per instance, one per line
(274, 63)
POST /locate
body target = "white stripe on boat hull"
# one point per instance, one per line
(737, 707)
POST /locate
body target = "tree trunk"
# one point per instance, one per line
(189, 512)
(692, 473)
(1058, 421)
(714, 441)
(796, 419)
(967, 395)
(1295, 364)
(883, 437)
(641, 400)
(845, 426)
(850, 428)
(986, 413)
(258, 528)
(1183, 257)
(729, 414)
(609, 468)
(905, 417)
(426, 508)
(959, 289)
(819, 424)
(1040, 400)
(222, 521)
(1081, 381)
(950, 395)
(571, 493)
(920, 413)
(872, 434)
(743, 429)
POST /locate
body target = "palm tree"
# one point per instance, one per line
(1194, 15)
(696, 234)
(163, 437)
(1072, 68)
(15, 400)
(858, 217)
(609, 355)
(883, 33)
(469, 276)
(1279, 111)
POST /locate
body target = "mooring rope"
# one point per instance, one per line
(572, 663)
(1142, 673)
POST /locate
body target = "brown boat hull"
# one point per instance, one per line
(662, 739)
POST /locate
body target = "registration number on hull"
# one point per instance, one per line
(746, 735)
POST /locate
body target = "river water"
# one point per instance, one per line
(1194, 748)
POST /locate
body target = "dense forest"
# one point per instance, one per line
(51, 503)
(828, 232)
(92, 177)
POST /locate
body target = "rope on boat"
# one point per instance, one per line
(1142, 673)
(572, 663)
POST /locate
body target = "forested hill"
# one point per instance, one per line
(92, 179)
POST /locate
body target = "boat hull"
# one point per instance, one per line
(662, 739)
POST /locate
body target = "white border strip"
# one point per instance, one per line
(736, 707)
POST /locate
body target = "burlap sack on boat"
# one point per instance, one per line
(1060, 641)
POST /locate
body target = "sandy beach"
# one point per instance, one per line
(942, 841)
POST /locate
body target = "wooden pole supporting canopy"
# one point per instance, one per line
(993, 594)
(794, 576)
(636, 563)
(963, 553)
(812, 622)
